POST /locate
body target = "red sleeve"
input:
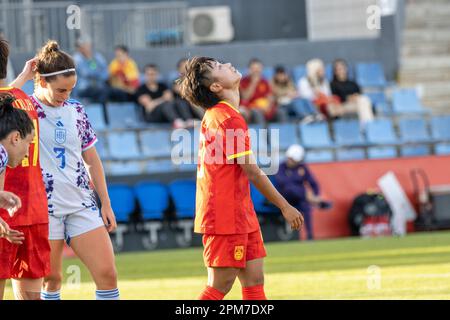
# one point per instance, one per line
(236, 138)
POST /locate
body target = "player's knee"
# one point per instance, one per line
(255, 280)
(224, 285)
(53, 281)
(107, 276)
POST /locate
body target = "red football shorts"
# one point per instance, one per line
(232, 250)
(29, 260)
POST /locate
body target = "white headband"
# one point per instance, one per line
(57, 72)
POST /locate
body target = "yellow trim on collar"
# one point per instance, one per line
(229, 104)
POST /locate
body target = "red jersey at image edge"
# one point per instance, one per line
(26, 179)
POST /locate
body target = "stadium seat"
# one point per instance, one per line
(304, 108)
(123, 115)
(350, 154)
(312, 156)
(315, 135)
(123, 145)
(415, 151)
(413, 130)
(348, 132)
(259, 202)
(298, 72)
(156, 143)
(123, 201)
(287, 135)
(268, 73)
(96, 116)
(153, 199)
(170, 78)
(28, 87)
(101, 147)
(124, 168)
(407, 101)
(370, 75)
(381, 131)
(380, 102)
(442, 149)
(183, 195)
(440, 127)
(258, 139)
(160, 166)
(382, 152)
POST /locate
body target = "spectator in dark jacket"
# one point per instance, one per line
(297, 184)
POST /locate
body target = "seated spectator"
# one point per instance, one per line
(158, 102)
(297, 184)
(315, 87)
(92, 73)
(257, 101)
(196, 111)
(349, 93)
(123, 76)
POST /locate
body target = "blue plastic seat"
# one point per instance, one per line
(28, 87)
(415, 151)
(370, 74)
(153, 199)
(259, 202)
(156, 143)
(304, 108)
(313, 156)
(407, 101)
(128, 168)
(258, 139)
(96, 116)
(268, 73)
(382, 152)
(380, 102)
(315, 135)
(413, 130)
(298, 72)
(123, 115)
(123, 201)
(348, 132)
(287, 135)
(381, 131)
(442, 149)
(101, 147)
(183, 194)
(440, 127)
(123, 145)
(350, 154)
(160, 166)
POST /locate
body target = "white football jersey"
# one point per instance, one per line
(65, 132)
(3, 159)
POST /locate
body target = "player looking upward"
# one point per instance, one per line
(70, 164)
(233, 244)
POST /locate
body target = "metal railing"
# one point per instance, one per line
(27, 25)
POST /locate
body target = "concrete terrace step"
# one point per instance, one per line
(420, 49)
(425, 62)
(425, 75)
(421, 35)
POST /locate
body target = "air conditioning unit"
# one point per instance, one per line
(210, 24)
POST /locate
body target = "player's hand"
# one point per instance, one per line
(13, 236)
(10, 202)
(29, 70)
(293, 217)
(109, 219)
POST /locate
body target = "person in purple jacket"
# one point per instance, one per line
(297, 184)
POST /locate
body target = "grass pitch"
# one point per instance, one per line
(413, 267)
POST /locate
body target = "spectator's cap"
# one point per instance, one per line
(296, 152)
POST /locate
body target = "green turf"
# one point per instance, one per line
(412, 267)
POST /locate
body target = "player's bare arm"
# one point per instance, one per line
(96, 173)
(263, 184)
(27, 74)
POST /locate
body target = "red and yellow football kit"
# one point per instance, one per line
(224, 209)
(31, 259)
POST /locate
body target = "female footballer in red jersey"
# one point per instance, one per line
(233, 244)
(28, 263)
